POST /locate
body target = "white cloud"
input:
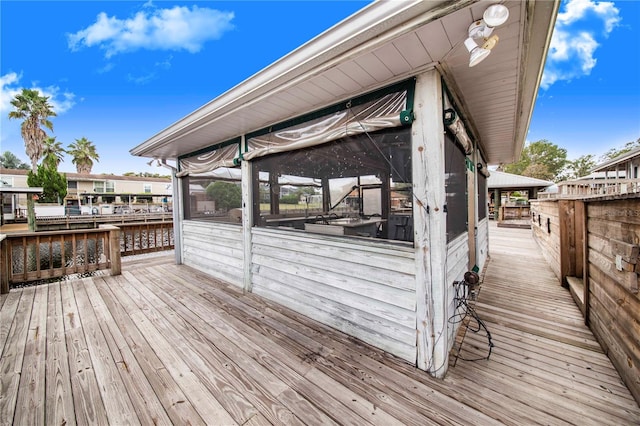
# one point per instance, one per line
(178, 28)
(61, 101)
(575, 39)
(8, 90)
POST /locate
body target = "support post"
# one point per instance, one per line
(114, 248)
(430, 225)
(5, 266)
(177, 216)
(247, 222)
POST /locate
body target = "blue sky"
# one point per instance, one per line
(118, 72)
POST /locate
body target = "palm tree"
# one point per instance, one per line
(35, 110)
(52, 151)
(83, 152)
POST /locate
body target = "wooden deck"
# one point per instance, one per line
(165, 344)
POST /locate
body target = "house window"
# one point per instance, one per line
(146, 188)
(104, 186)
(357, 186)
(216, 197)
(456, 188)
(72, 184)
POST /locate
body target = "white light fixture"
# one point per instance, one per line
(494, 15)
(478, 54)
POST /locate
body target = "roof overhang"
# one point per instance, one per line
(384, 43)
(20, 190)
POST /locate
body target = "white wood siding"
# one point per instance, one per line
(214, 248)
(457, 263)
(482, 245)
(363, 288)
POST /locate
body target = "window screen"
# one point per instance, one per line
(216, 197)
(456, 188)
(354, 186)
(482, 196)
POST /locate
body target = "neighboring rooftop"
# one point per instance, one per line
(610, 165)
(88, 177)
(507, 180)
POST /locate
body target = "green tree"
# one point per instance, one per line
(227, 195)
(9, 160)
(35, 110)
(616, 152)
(83, 152)
(54, 184)
(541, 159)
(53, 151)
(581, 166)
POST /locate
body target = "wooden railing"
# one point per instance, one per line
(139, 238)
(34, 256)
(83, 221)
(593, 188)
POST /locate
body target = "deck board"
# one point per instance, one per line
(166, 344)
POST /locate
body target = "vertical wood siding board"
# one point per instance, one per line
(430, 235)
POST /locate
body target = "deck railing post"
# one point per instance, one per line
(114, 248)
(5, 266)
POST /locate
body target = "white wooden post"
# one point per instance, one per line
(178, 216)
(247, 220)
(430, 225)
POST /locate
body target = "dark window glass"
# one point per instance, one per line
(456, 188)
(482, 196)
(216, 197)
(354, 186)
(72, 184)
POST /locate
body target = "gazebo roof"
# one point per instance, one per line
(499, 180)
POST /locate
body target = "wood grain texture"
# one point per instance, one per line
(185, 349)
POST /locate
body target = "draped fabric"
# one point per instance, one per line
(381, 113)
(207, 162)
(458, 129)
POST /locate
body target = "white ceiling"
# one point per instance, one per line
(384, 43)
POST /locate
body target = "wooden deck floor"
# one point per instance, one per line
(165, 344)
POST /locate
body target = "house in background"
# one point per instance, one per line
(384, 122)
(618, 176)
(96, 189)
